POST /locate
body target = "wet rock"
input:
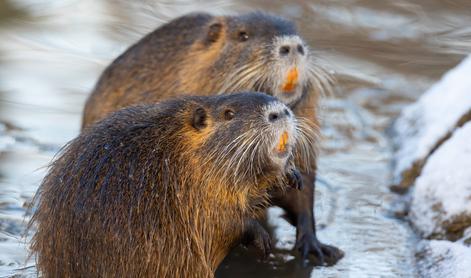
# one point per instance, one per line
(441, 200)
(439, 258)
(424, 126)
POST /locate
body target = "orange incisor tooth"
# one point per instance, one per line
(291, 80)
(283, 142)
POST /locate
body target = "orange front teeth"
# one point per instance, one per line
(291, 81)
(283, 142)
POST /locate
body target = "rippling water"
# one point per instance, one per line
(384, 54)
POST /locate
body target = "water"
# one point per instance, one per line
(384, 53)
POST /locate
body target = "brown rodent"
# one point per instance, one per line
(223, 54)
(163, 190)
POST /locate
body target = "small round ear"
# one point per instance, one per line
(214, 32)
(199, 120)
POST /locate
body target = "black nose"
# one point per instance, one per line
(287, 49)
(275, 116)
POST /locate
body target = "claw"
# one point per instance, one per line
(257, 236)
(324, 255)
(332, 253)
(263, 243)
(268, 247)
(319, 254)
(304, 254)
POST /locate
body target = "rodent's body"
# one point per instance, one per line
(157, 191)
(202, 53)
(206, 54)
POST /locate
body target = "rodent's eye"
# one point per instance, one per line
(243, 36)
(229, 114)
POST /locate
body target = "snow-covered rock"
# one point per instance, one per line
(441, 258)
(424, 125)
(441, 200)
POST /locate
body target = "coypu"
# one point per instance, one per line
(206, 54)
(123, 199)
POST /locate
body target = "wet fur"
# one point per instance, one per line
(200, 54)
(142, 193)
(208, 61)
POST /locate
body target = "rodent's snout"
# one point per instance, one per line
(291, 49)
(291, 67)
(283, 125)
(277, 115)
(276, 112)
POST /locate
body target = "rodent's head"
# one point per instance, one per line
(263, 52)
(242, 137)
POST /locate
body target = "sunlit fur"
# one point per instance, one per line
(185, 57)
(241, 158)
(267, 72)
(144, 193)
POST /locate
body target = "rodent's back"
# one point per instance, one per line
(96, 205)
(205, 54)
(136, 69)
(134, 194)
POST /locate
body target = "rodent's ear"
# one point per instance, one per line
(199, 120)
(214, 32)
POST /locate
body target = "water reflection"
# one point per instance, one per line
(384, 55)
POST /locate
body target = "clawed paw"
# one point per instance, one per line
(263, 243)
(322, 254)
(257, 236)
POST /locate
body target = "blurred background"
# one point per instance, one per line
(384, 54)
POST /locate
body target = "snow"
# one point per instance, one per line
(427, 134)
(442, 194)
(439, 258)
(422, 125)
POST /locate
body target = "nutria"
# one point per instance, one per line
(163, 190)
(206, 54)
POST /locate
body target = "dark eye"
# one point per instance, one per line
(243, 36)
(228, 114)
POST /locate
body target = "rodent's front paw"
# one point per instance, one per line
(262, 242)
(294, 179)
(257, 236)
(322, 254)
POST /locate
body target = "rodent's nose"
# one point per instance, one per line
(278, 115)
(293, 49)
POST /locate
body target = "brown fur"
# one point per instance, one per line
(205, 54)
(143, 194)
(147, 73)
